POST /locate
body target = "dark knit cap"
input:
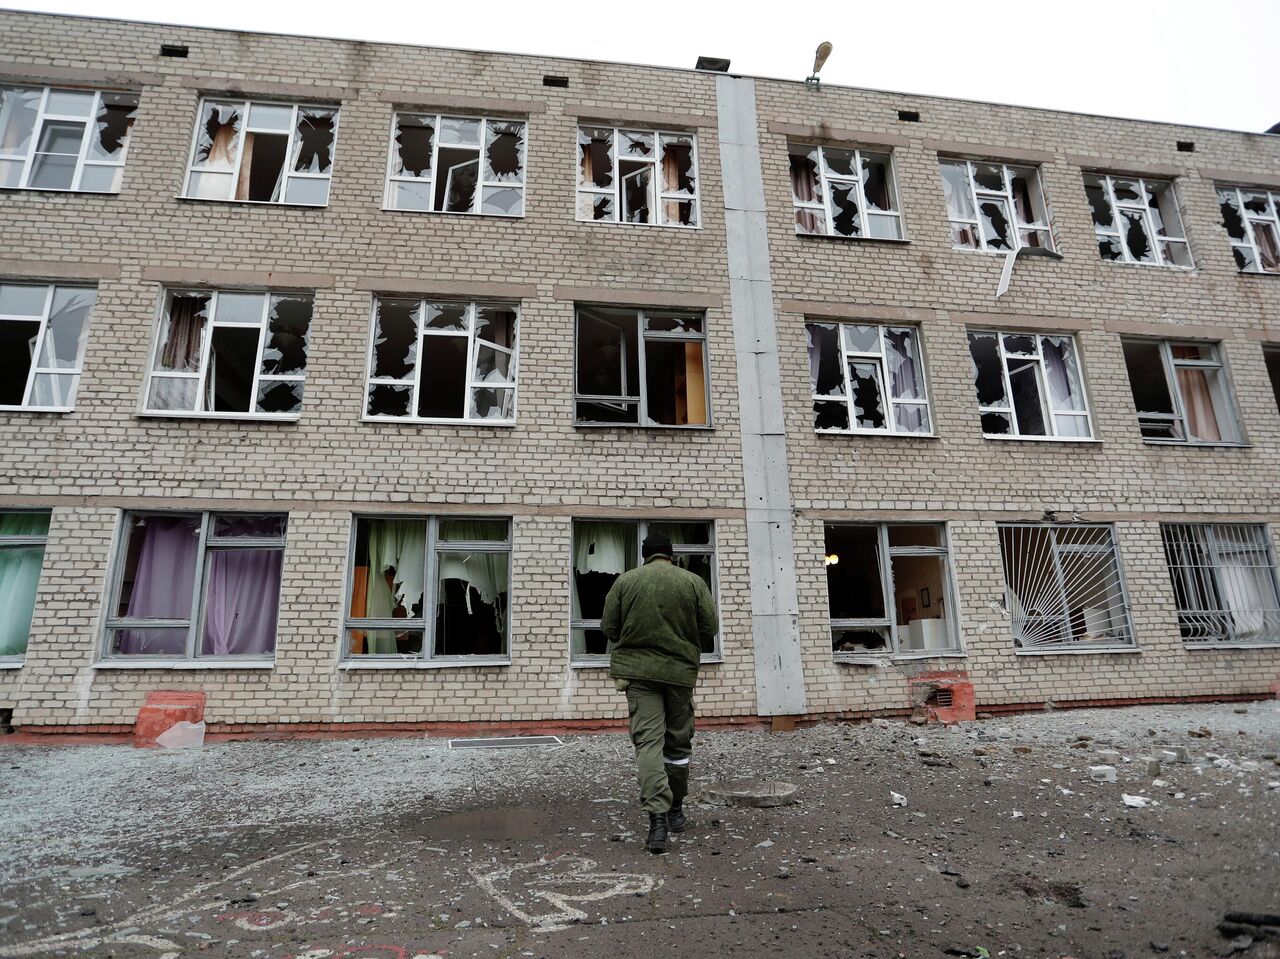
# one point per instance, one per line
(655, 544)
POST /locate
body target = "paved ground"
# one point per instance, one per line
(403, 848)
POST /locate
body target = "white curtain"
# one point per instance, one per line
(401, 546)
(604, 548)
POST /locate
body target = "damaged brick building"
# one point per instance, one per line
(341, 379)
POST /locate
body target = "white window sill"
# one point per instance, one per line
(969, 249)
(1009, 438)
(36, 409)
(646, 426)
(372, 663)
(1256, 273)
(1147, 266)
(839, 236)
(1190, 445)
(642, 226)
(420, 421)
(1086, 651)
(881, 434)
(602, 662)
(462, 215)
(213, 417)
(893, 659)
(263, 203)
(11, 663)
(185, 664)
(1211, 645)
(46, 189)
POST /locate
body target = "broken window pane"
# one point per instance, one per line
(182, 333)
(285, 350)
(993, 219)
(17, 344)
(471, 604)
(413, 145)
(389, 400)
(19, 110)
(854, 584)
(496, 324)
(1028, 402)
(1044, 380)
(1010, 206)
(637, 192)
(601, 553)
(279, 396)
(113, 125)
(1019, 343)
(456, 181)
(988, 369)
(233, 355)
(1232, 219)
(868, 401)
(490, 404)
(395, 337)
(1095, 189)
(504, 151)
(442, 378)
(262, 162)
(411, 196)
(989, 176)
(313, 145)
(826, 365)
(595, 157)
(831, 416)
(955, 183)
(608, 354)
(641, 184)
(672, 323)
(844, 209)
(906, 374)
(677, 165)
(1136, 240)
(217, 136)
(1180, 391)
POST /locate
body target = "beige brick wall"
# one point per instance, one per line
(103, 458)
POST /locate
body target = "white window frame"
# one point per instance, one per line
(711, 548)
(26, 542)
(245, 107)
(1250, 242)
(430, 598)
(881, 359)
(1224, 407)
(977, 195)
(889, 622)
(641, 401)
(660, 197)
(36, 369)
(1059, 552)
(1119, 207)
(201, 376)
(826, 179)
(473, 346)
(388, 199)
(1212, 541)
(208, 542)
(1049, 412)
(82, 158)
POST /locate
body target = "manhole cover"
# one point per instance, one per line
(758, 793)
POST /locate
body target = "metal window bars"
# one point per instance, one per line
(1224, 581)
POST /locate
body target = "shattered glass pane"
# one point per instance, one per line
(457, 179)
(861, 339)
(182, 333)
(217, 136)
(389, 400)
(1175, 252)
(415, 134)
(831, 416)
(496, 324)
(1095, 190)
(810, 222)
(637, 193)
(679, 211)
(1136, 240)
(595, 158)
(1062, 374)
(395, 338)
(113, 123)
(876, 186)
(906, 373)
(677, 165)
(490, 404)
(1127, 191)
(826, 368)
(460, 131)
(996, 424)
(595, 206)
(840, 162)
(988, 374)
(1028, 404)
(1020, 343)
(1163, 210)
(635, 144)
(844, 209)
(1245, 260)
(502, 201)
(1256, 203)
(1264, 237)
(411, 196)
(68, 324)
(607, 354)
(18, 110)
(1026, 197)
(868, 398)
(446, 316)
(672, 323)
(1109, 247)
(313, 146)
(442, 383)
(955, 184)
(911, 418)
(173, 393)
(675, 382)
(993, 217)
(965, 235)
(504, 151)
(989, 176)
(285, 350)
(279, 396)
(492, 366)
(806, 185)
(1232, 219)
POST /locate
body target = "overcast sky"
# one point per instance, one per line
(1206, 62)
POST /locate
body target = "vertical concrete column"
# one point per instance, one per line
(775, 631)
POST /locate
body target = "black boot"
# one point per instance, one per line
(657, 841)
(678, 779)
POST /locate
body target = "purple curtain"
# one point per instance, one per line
(242, 602)
(162, 582)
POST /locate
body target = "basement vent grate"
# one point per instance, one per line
(173, 50)
(504, 742)
(554, 81)
(941, 699)
(909, 116)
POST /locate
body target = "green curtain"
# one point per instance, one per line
(19, 577)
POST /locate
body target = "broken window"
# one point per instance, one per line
(637, 176)
(641, 367)
(262, 152)
(605, 549)
(22, 540)
(1137, 220)
(1029, 384)
(889, 589)
(196, 586)
(456, 165)
(230, 353)
(429, 589)
(1252, 221)
(43, 330)
(867, 379)
(1224, 580)
(995, 207)
(1271, 354)
(440, 361)
(54, 139)
(1063, 587)
(1180, 391)
(844, 192)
